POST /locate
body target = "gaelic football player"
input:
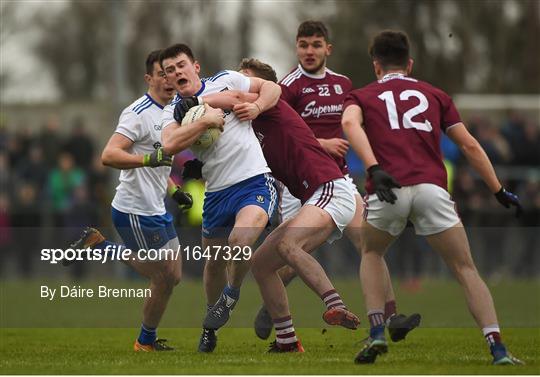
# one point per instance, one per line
(394, 124)
(240, 192)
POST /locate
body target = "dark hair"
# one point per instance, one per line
(260, 69)
(150, 60)
(312, 28)
(390, 48)
(175, 50)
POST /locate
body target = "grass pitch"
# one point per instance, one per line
(92, 337)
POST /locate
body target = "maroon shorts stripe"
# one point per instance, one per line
(330, 195)
(323, 194)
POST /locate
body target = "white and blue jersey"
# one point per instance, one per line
(138, 207)
(235, 169)
(237, 154)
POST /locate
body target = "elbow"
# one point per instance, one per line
(106, 158)
(276, 90)
(471, 147)
(346, 126)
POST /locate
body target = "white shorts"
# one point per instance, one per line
(289, 206)
(428, 206)
(337, 198)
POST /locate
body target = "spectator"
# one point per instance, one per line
(63, 180)
(80, 145)
(33, 169)
(51, 141)
(26, 220)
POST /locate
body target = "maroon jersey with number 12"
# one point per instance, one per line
(403, 119)
(319, 101)
(293, 153)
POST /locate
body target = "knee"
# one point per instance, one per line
(167, 279)
(285, 248)
(464, 270)
(214, 266)
(239, 239)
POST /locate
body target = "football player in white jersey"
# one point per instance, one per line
(240, 193)
(138, 209)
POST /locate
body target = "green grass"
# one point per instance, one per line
(41, 337)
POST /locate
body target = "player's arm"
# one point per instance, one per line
(477, 157)
(228, 99)
(177, 138)
(383, 183)
(269, 93)
(351, 122)
(116, 154)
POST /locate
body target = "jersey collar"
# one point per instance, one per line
(203, 86)
(154, 101)
(311, 75)
(396, 75)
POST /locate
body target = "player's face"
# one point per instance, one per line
(183, 74)
(159, 84)
(312, 52)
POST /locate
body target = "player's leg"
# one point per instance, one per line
(288, 207)
(295, 240)
(253, 203)
(381, 223)
(250, 223)
(453, 246)
(266, 263)
(434, 216)
(144, 233)
(164, 275)
(374, 243)
(263, 321)
(214, 279)
(399, 325)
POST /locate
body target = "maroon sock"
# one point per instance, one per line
(389, 309)
(493, 338)
(332, 299)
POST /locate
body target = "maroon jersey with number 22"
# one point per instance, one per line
(319, 101)
(403, 119)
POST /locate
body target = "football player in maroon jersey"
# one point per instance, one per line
(316, 93)
(394, 124)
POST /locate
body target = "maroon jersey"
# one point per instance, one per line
(293, 153)
(403, 120)
(319, 101)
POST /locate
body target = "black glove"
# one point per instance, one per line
(383, 184)
(508, 199)
(192, 169)
(183, 106)
(183, 199)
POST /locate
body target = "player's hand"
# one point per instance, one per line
(157, 158)
(383, 183)
(183, 199)
(192, 169)
(508, 199)
(214, 117)
(183, 106)
(336, 147)
(246, 111)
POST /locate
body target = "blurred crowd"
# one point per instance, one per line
(53, 184)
